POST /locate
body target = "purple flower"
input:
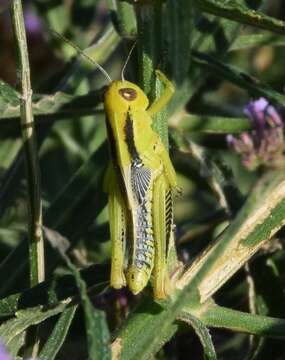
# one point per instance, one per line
(264, 145)
(3, 353)
(32, 22)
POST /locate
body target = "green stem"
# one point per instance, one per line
(36, 248)
(221, 317)
(242, 14)
(214, 124)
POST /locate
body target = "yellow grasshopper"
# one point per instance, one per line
(140, 182)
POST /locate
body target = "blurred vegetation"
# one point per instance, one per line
(229, 302)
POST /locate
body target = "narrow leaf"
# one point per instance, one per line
(24, 319)
(253, 40)
(253, 85)
(203, 334)
(214, 124)
(98, 335)
(237, 12)
(56, 339)
(225, 318)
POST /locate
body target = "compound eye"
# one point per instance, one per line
(128, 94)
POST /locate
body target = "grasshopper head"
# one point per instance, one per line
(122, 95)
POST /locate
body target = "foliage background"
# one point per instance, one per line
(220, 55)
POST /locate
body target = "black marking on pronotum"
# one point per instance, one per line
(129, 133)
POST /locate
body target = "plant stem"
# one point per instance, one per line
(242, 14)
(221, 317)
(36, 247)
(214, 124)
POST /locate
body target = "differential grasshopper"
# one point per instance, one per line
(140, 181)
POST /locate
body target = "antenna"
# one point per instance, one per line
(83, 54)
(127, 60)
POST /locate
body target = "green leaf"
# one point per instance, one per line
(56, 339)
(125, 20)
(70, 211)
(254, 86)
(205, 37)
(8, 97)
(16, 344)
(211, 36)
(214, 124)
(237, 12)
(13, 328)
(203, 334)
(51, 292)
(52, 106)
(8, 305)
(253, 40)
(222, 317)
(177, 36)
(98, 336)
(145, 332)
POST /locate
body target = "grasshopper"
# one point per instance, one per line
(140, 182)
